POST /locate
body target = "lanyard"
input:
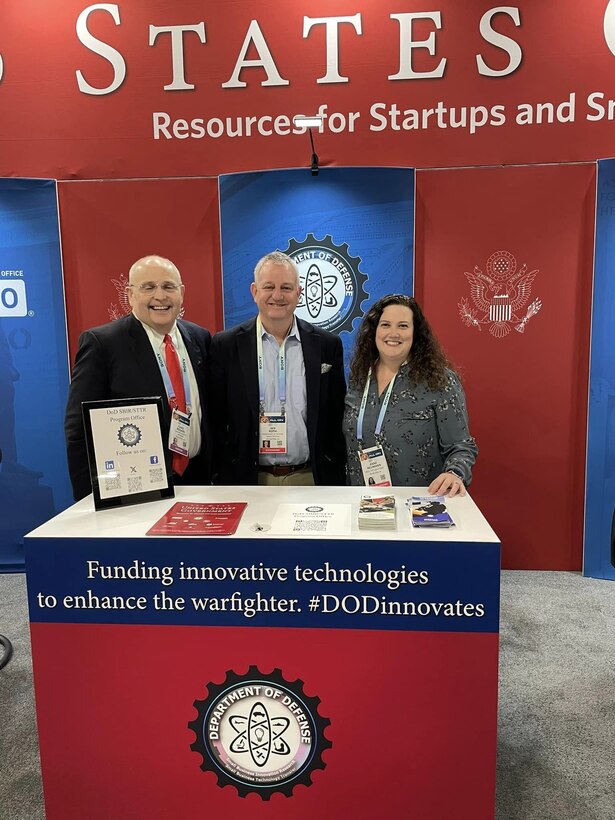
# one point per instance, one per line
(261, 367)
(383, 407)
(167, 379)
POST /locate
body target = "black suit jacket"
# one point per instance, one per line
(116, 361)
(235, 412)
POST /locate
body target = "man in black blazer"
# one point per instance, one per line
(277, 390)
(125, 359)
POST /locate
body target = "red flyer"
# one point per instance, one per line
(200, 519)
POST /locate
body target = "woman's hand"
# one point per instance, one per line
(447, 484)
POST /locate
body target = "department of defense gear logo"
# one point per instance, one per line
(260, 733)
(331, 280)
(500, 296)
(129, 435)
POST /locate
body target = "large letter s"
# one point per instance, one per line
(98, 47)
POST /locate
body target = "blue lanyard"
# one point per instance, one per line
(383, 407)
(167, 379)
(261, 368)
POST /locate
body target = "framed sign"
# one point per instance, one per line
(126, 451)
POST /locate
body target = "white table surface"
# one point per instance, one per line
(82, 521)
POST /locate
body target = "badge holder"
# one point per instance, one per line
(126, 453)
(272, 433)
(374, 467)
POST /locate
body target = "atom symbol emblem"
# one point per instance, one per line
(259, 734)
(318, 291)
(332, 283)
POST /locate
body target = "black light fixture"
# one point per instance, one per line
(314, 166)
(310, 122)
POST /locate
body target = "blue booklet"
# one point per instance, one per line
(429, 511)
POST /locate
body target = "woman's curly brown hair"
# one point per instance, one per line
(427, 363)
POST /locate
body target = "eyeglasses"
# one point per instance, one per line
(283, 288)
(151, 287)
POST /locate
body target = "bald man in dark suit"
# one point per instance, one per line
(121, 360)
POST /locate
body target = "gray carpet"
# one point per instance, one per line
(21, 793)
(556, 736)
(556, 747)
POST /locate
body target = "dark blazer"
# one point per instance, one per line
(116, 361)
(235, 411)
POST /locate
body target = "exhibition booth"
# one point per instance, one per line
(461, 155)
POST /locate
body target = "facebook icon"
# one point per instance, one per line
(153, 459)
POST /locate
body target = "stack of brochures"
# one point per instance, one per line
(429, 511)
(377, 512)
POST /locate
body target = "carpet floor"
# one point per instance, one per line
(556, 720)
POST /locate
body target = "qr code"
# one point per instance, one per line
(112, 484)
(156, 475)
(135, 484)
(312, 526)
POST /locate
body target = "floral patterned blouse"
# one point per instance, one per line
(424, 433)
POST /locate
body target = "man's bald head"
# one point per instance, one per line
(155, 292)
(150, 262)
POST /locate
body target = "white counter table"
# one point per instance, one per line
(261, 674)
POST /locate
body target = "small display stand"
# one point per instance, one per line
(126, 451)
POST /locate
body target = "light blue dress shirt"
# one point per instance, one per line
(298, 450)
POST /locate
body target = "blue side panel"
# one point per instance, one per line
(34, 482)
(600, 497)
(350, 230)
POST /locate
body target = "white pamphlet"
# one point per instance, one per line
(312, 519)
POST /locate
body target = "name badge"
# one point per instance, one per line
(179, 432)
(272, 433)
(374, 467)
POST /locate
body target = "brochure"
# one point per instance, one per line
(429, 511)
(312, 519)
(377, 512)
(200, 519)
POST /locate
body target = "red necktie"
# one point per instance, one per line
(175, 374)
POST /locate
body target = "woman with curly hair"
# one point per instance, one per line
(405, 421)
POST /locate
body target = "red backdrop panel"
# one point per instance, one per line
(527, 389)
(51, 128)
(106, 226)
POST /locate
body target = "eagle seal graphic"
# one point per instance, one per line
(500, 295)
(122, 308)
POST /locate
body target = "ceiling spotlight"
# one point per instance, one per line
(307, 121)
